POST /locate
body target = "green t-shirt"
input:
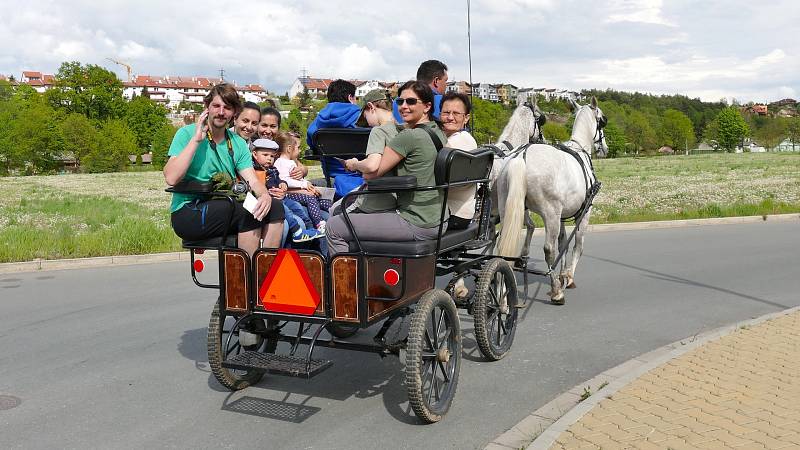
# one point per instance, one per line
(206, 162)
(420, 208)
(379, 138)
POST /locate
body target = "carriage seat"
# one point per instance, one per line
(451, 166)
(338, 142)
(212, 243)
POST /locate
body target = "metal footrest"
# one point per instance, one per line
(472, 245)
(292, 366)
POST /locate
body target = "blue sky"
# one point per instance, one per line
(712, 49)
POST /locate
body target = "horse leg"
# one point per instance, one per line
(569, 274)
(552, 223)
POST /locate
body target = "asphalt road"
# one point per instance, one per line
(116, 358)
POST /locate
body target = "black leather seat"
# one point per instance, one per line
(230, 241)
(451, 239)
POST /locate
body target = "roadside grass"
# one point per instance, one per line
(45, 225)
(82, 215)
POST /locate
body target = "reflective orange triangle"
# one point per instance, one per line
(287, 288)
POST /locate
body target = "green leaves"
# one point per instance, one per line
(732, 128)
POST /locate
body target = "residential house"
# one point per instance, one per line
(365, 86)
(786, 146)
(485, 91)
(37, 80)
(316, 87)
(459, 86)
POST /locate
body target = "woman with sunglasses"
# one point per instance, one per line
(411, 152)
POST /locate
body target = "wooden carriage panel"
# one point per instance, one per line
(236, 286)
(313, 264)
(344, 280)
(417, 278)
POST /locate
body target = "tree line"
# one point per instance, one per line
(84, 118)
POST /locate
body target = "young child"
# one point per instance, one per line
(264, 154)
(301, 191)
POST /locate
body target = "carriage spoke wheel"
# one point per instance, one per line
(220, 326)
(494, 312)
(433, 357)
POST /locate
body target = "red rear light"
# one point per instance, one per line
(391, 277)
(198, 265)
(199, 251)
(395, 261)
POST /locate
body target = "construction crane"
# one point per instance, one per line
(126, 66)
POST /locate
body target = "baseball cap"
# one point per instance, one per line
(264, 144)
(374, 96)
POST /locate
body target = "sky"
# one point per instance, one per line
(739, 49)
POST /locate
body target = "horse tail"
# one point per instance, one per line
(514, 211)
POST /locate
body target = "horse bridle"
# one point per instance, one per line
(598, 132)
(540, 120)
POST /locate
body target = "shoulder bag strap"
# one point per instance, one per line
(436, 141)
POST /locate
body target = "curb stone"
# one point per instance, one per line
(540, 429)
(102, 261)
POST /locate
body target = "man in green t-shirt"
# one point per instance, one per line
(203, 149)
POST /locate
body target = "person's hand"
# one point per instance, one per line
(296, 173)
(202, 126)
(277, 193)
(350, 164)
(262, 207)
(313, 190)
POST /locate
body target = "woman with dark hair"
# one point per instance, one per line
(412, 152)
(454, 115)
(245, 124)
(270, 123)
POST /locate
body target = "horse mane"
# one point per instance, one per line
(517, 131)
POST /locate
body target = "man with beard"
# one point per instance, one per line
(204, 149)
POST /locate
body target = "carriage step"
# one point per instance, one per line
(472, 245)
(292, 366)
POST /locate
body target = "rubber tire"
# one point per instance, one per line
(342, 331)
(483, 305)
(233, 381)
(417, 345)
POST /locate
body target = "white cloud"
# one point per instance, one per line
(642, 11)
(644, 45)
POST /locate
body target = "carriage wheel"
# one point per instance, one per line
(219, 327)
(342, 331)
(433, 356)
(495, 324)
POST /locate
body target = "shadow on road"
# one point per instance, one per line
(675, 279)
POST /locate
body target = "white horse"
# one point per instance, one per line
(524, 126)
(552, 183)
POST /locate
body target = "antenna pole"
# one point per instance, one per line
(469, 53)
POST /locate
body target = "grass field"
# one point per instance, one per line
(72, 216)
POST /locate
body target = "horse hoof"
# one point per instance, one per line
(558, 301)
(571, 285)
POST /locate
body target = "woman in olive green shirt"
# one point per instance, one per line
(411, 152)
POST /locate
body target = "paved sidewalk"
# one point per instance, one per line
(739, 391)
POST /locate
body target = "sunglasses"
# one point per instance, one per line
(409, 101)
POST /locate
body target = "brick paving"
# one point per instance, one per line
(740, 391)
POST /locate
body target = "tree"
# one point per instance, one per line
(162, 139)
(89, 90)
(731, 128)
(490, 119)
(676, 130)
(35, 138)
(555, 132)
(639, 132)
(794, 131)
(115, 143)
(144, 117)
(615, 139)
(80, 136)
(772, 132)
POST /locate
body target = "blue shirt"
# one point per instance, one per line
(333, 115)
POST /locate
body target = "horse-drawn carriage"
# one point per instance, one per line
(293, 295)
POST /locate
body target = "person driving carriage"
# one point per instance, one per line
(411, 152)
(203, 149)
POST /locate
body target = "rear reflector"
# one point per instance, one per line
(391, 277)
(198, 265)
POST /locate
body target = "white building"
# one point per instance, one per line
(786, 146)
(171, 90)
